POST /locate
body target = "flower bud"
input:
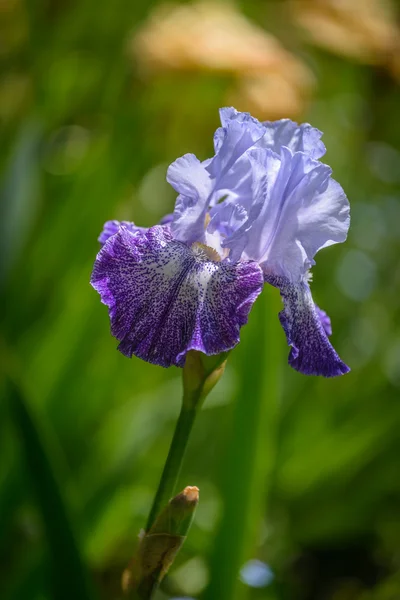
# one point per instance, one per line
(200, 374)
(159, 546)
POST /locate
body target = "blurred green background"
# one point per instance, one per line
(299, 477)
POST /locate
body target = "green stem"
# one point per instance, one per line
(200, 374)
(156, 553)
(147, 586)
(174, 461)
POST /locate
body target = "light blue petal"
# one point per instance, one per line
(298, 138)
(304, 210)
(235, 140)
(227, 174)
(269, 171)
(229, 114)
(226, 218)
(264, 174)
(189, 177)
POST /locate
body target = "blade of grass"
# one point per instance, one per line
(19, 195)
(69, 578)
(250, 456)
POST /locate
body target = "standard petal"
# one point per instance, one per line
(274, 134)
(298, 138)
(304, 210)
(230, 167)
(263, 176)
(239, 132)
(311, 351)
(190, 178)
(225, 218)
(229, 114)
(111, 227)
(165, 298)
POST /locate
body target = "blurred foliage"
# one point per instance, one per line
(86, 136)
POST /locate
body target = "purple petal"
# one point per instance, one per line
(111, 227)
(298, 138)
(165, 298)
(311, 351)
(325, 320)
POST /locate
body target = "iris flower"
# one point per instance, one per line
(256, 212)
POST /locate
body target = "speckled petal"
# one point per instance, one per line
(111, 227)
(165, 298)
(311, 351)
(325, 320)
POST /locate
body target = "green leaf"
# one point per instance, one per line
(69, 578)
